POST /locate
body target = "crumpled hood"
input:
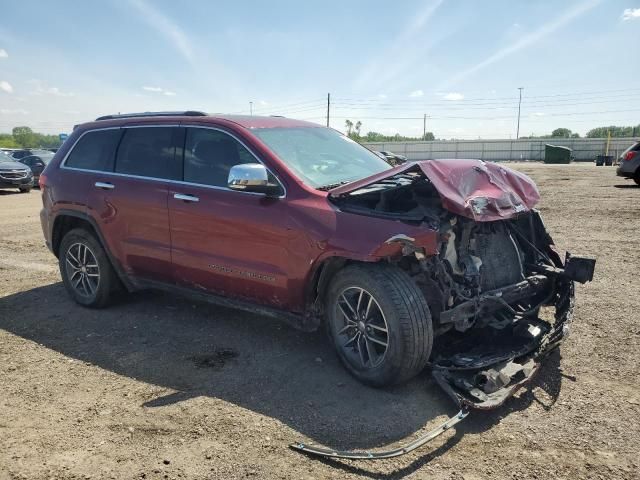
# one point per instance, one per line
(482, 191)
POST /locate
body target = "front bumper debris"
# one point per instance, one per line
(396, 452)
(484, 376)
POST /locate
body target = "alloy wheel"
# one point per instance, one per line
(361, 328)
(82, 269)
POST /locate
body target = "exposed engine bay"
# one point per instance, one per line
(486, 286)
(500, 296)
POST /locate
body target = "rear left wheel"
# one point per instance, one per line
(86, 271)
(379, 323)
(25, 189)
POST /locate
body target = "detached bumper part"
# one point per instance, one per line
(485, 377)
(367, 455)
(579, 269)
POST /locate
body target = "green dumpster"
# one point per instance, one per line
(557, 154)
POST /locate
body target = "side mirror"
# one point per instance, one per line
(252, 177)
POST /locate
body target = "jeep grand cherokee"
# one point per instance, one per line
(444, 261)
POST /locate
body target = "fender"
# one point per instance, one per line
(123, 277)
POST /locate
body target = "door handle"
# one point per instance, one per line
(105, 186)
(186, 198)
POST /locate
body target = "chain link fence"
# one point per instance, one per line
(584, 149)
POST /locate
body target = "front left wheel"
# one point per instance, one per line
(86, 271)
(379, 322)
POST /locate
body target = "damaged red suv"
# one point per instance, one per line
(440, 261)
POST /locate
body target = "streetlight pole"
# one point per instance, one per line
(519, 103)
(251, 108)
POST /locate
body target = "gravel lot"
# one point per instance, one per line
(161, 387)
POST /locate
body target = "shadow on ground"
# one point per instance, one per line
(254, 362)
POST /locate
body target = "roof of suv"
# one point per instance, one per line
(246, 121)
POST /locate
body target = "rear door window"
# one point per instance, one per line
(95, 150)
(147, 152)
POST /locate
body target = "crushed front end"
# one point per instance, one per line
(500, 296)
(501, 299)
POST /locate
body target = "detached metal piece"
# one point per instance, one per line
(365, 455)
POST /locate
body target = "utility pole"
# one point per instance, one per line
(251, 108)
(328, 107)
(424, 127)
(519, 102)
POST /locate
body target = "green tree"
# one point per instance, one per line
(7, 141)
(379, 137)
(357, 129)
(602, 132)
(561, 133)
(348, 124)
(24, 136)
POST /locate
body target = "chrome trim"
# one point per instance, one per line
(104, 185)
(25, 174)
(185, 197)
(247, 175)
(167, 180)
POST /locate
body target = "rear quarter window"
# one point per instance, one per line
(95, 150)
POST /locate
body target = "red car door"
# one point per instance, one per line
(130, 202)
(223, 241)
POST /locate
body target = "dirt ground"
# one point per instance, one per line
(161, 387)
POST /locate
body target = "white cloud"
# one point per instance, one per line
(263, 103)
(416, 94)
(526, 40)
(6, 86)
(453, 96)
(13, 111)
(41, 88)
(382, 96)
(538, 114)
(166, 27)
(3, 53)
(628, 14)
(160, 90)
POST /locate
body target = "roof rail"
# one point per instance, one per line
(187, 113)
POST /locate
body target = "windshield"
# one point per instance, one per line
(321, 157)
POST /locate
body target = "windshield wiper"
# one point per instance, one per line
(331, 186)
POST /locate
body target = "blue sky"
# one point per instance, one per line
(385, 63)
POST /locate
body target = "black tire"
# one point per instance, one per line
(25, 189)
(637, 178)
(405, 312)
(107, 282)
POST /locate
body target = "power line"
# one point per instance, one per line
(574, 94)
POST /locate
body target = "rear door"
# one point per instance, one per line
(130, 201)
(223, 241)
